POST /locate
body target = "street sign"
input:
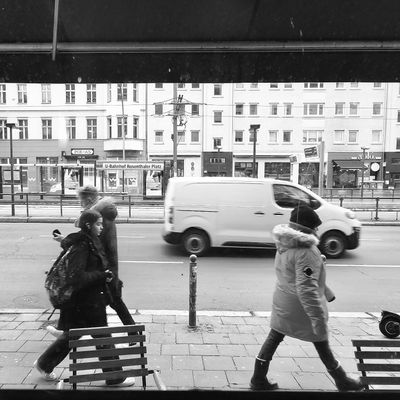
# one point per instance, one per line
(311, 152)
(82, 152)
(146, 165)
(293, 159)
(254, 127)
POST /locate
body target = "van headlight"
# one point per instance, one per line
(350, 214)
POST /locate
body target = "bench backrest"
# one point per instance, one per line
(104, 339)
(387, 371)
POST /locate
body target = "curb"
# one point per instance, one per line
(72, 220)
(183, 313)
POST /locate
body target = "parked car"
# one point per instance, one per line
(241, 212)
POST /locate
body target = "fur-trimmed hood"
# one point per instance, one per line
(286, 237)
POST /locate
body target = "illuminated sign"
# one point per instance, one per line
(132, 165)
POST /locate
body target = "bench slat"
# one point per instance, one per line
(75, 355)
(108, 375)
(378, 367)
(380, 380)
(106, 340)
(108, 364)
(376, 343)
(377, 355)
(106, 329)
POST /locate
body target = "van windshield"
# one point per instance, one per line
(287, 196)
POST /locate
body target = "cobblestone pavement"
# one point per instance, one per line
(219, 354)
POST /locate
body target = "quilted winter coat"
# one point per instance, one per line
(300, 300)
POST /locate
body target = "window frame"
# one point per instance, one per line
(47, 129)
(92, 125)
(23, 130)
(70, 93)
(70, 128)
(241, 132)
(217, 87)
(215, 112)
(46, 93)
(22, 93)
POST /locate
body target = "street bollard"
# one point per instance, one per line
(341, 201)
(192, 291)
(377, 209)
(27, 204)
(130, 207)
(61, 205)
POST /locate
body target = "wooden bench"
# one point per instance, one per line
(386, 373)
(104, 339)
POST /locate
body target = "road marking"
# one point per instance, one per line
(151, 262)
(371, 240)
(131, 237)
(364, 265)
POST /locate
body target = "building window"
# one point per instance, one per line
(109, 92)
(3, 129)
(339, 137)
(91, 128)
(218, 117)
(217, 143)
(288, 85)
(195, 110)
(353, 108)
(254, 85)
(3, 97)
(218, 90)
(158, 109)
(135, 127)
(273, 86)
(377, 109)
(135, 96)
(287, 136)
(71, 128)
(181, 137)
(313, 85)
(313, 109)
(23, 129)
(159, 85)
(377, 84)
(273, 109)
(22, 93)
(91, 93)
(376, 136)
(339, 108)
(122, 128)
(238, 136)
(47, 133)
(46, 93)
(195, 136)
(109, 127)
(195, 85)
(312, 136)
(181, 86)
(253, 109)
(273, 137)
(339, 85)
(122, 92)
(70, 93)
(354, 84)
(159, 136)
(397, 143)
(239, 85)
(288, 109)
(239, 109)
(353, 136)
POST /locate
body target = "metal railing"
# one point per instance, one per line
(332, 193)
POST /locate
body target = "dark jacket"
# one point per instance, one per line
(88, 303)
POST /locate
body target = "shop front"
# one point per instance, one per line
(217, 163)
(308, 174)
(392, 170)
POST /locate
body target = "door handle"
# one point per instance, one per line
(278, 213)
(259, 213)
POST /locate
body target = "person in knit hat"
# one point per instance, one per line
(300, 299)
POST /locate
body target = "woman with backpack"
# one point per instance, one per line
(86, 307)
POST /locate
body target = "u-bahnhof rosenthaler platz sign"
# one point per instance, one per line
(141, 165)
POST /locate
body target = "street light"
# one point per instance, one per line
(12, 125)
(363, 170)
(253, 129)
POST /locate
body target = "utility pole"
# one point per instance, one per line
(321, 168)
(123, 122)
(363, 170)
(254, 129)
(177, 105)
(12, 126)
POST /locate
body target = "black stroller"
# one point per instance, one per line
(390, 324)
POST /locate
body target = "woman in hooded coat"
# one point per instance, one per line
(299, 307)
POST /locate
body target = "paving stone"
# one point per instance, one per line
(9, 324)
(313, 381)
(160, 362)
(218, 363)
(18, 387)
(29, 359)
(33, 335)
(204, 319)
(194, 337)
(11, 359)
(239, 378)
(27, 317)
(11, 345)
(187, 362)
(30, 325)
(8, 317)
(175, 349)
(251, 329)
(12, 374)
(175, 328)
(156, 328)
(349, 365)
(164, 319)
(343, 351)
(226, 328)
(343, 340)
(252, 349)
(178, 379)
(153, 348)
(233, 321)
(310, 364)
(216, 338)
(203, 349)
(35, 346)
(242, 338)
(162, 338)
(232, 350)
(286, 364)
(285, 380)
(210, 379)
(9, 334)
(290, 351)
(244, 363)
(309, 350)
(139, 319)
(34, 378)
(351, 330)
(257, 321)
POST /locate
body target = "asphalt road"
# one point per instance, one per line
(156, 274)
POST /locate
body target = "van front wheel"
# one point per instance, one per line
(195, 242)
(333, 244)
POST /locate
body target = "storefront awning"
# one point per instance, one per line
(349, 164)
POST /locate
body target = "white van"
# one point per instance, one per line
(241, 212)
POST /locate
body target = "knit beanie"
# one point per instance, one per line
(305, 216)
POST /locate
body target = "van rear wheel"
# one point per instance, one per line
(196, 242)
(333, 244)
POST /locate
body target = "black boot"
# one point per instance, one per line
(343, 382)
(259, 379)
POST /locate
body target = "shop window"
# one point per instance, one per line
(277, 170)
(244, 169)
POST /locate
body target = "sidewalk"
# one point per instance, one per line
(219, 354)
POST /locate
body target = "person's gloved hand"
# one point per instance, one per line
(109, 276)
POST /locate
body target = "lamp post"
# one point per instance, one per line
(253, 129)
(219, 159)
(363, 170)
(12, 125)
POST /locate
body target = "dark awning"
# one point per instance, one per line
(349, 164)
